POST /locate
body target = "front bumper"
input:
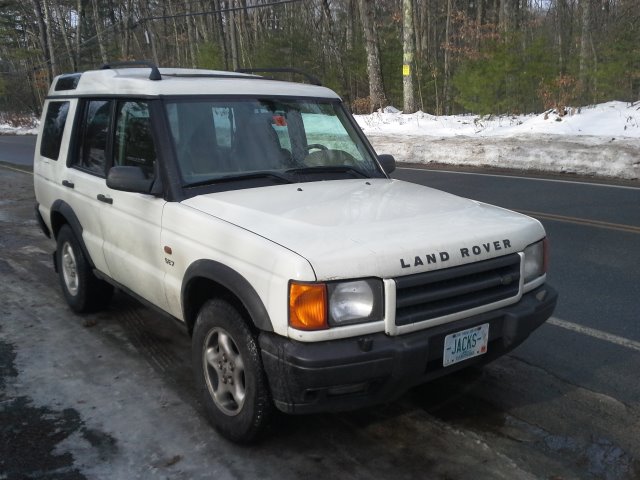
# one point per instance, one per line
(356, 372)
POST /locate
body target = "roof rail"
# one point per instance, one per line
(154, 75)
(314, 80)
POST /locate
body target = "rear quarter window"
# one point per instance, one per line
(53, 128)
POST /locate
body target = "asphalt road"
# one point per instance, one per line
(594, 233)
(17, 149)
(110, 395)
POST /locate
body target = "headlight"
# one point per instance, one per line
(315, 306)
(355, 302)
(535, 261)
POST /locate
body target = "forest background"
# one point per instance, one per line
(438, 56)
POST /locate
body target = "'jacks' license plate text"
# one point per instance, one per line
(466, 344)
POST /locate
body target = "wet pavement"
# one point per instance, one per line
(110, 395)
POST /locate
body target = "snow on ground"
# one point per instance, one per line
(602, 140)
(6, 129)
(599, 140)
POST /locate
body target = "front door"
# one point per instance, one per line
(131, 222)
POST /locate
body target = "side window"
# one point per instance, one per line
(54, 122)
(94, 137)
(133, 141)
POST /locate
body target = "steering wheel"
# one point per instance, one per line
(311, 146)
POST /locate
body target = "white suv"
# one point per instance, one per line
(255, 212)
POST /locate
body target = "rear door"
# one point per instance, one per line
(84, 181)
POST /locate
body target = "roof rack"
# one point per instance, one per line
(208, 75)
(314, 80)
(154, 75)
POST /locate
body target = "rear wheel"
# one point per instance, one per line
(229, 373)
(83, 291)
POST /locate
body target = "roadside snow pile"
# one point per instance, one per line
(26, 125)
(610, 119)
(597, 140)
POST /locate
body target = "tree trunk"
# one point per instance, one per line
(332, 40)
(79, 20)
(233, 38)
(148, 31)
(47, 20)
(506, 15)
(478, 23)
(190, 36)
(585, 47)
(42, 37)
(408, 51)
(221, 37)
(65, 38)
(126, 44)
(376, 86)
(447, 59)
(96, 21)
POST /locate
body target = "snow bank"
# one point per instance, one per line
(597, 140)
(7, 129)
(617, 119)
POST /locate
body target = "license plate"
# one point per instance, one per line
(466, 344)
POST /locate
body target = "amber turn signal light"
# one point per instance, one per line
(308, 306)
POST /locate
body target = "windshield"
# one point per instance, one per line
(220, 140)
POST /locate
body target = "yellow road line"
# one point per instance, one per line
(15, 169)
(583, 221)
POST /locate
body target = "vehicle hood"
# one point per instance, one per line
(373, 227)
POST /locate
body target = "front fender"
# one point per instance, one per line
(229, 280)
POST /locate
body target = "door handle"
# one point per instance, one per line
(67, 183)
(105, 199)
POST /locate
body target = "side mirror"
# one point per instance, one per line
(387, 162)
(129, 179)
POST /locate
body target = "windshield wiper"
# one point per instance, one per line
(242, 176)
(328, 169)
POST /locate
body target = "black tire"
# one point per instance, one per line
(83, 291)
(229, 373)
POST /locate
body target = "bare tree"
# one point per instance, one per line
(79, 20)
(42, 36)
(447, 58)
(48, 21)
(98, 25)
(408, 50)
(585, 46)
(233, 38)
(191, 40)
(376, 86)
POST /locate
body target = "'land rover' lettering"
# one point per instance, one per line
(430, 258)
(486, 248)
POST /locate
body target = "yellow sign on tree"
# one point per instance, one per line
(406, 70)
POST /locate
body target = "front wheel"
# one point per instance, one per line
(229, 373)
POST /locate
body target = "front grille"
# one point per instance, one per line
(425, 296)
